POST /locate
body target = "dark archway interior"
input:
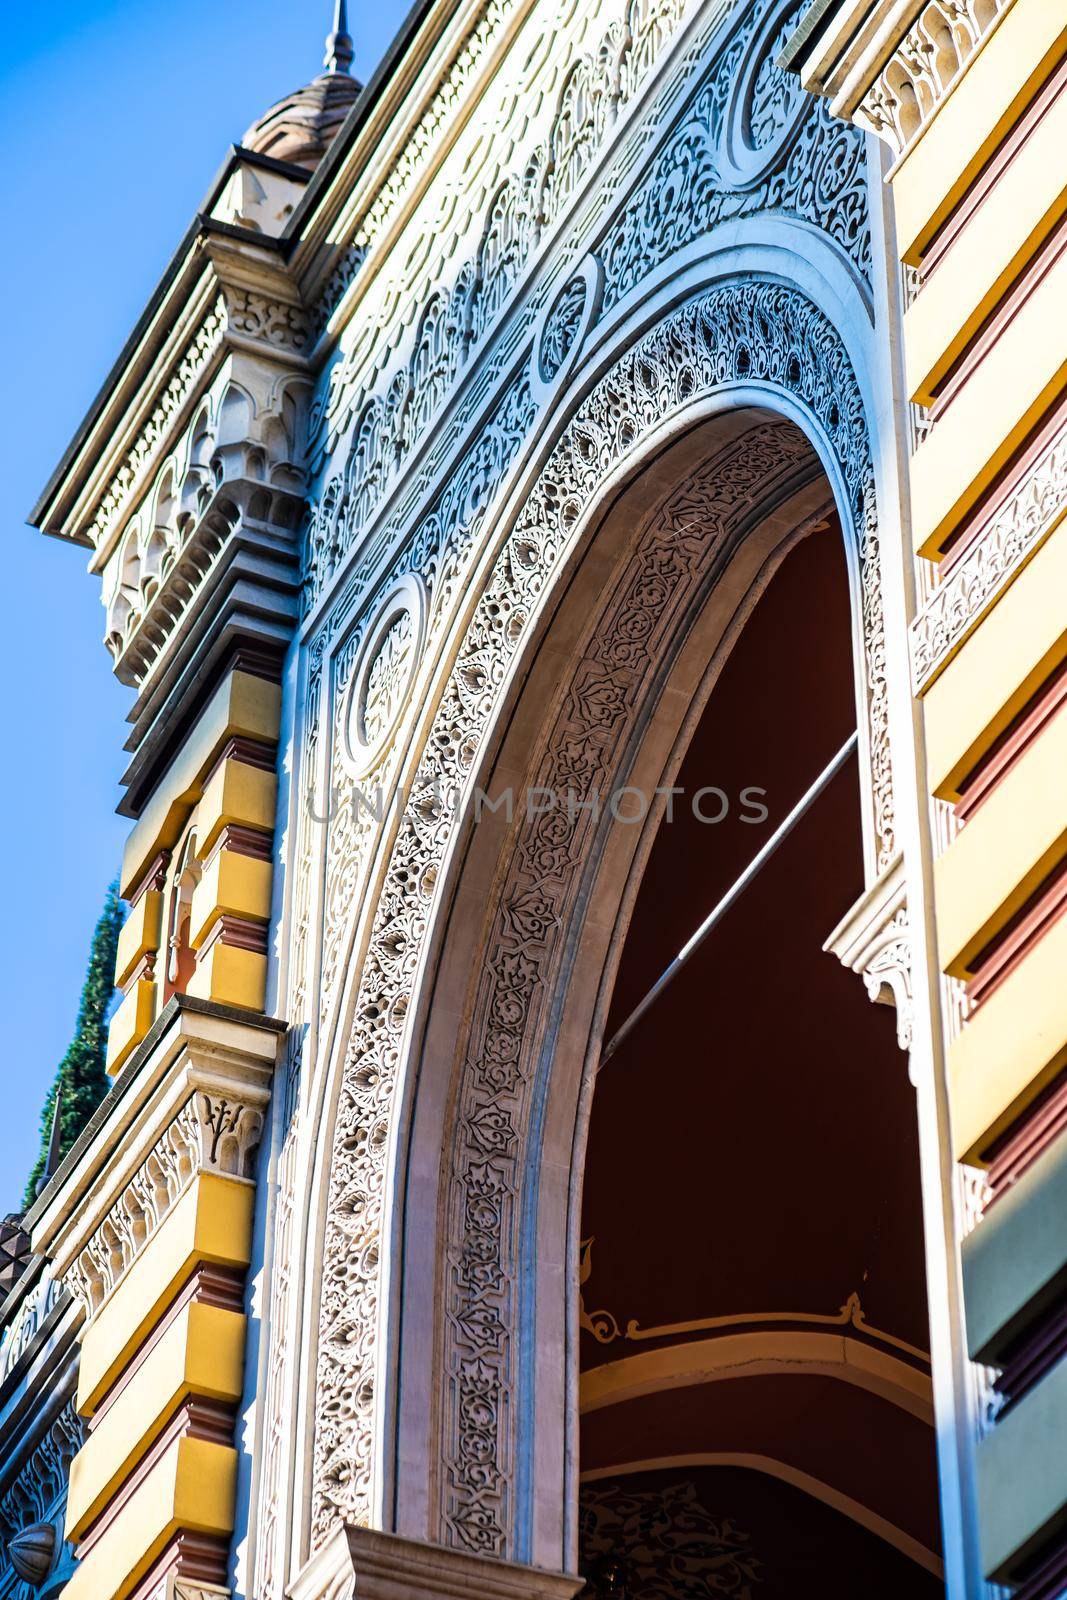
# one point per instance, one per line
(752, 1164)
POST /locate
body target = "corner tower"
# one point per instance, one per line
(186, 485)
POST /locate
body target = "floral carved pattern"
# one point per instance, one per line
(561, 328)
(387, 678)
(814, 170)
(924, 66)
(762, 333)
(1014, 533)
(659, 1544)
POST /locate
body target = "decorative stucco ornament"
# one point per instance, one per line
(382, 674)
(31, 1552)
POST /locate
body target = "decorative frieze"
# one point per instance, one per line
(154, 434)
(924, 65)
(886, 70)
(212, 1133)
(995, 558)
(197, 1107)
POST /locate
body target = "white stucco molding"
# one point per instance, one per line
(192, 1099)
(889, 66)
(873, 939)
(362, 1562)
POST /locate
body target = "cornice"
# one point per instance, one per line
(190, 321)
(889, 66)
(198, 315)
(193, 1043)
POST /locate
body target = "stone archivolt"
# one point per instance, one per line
(591, 168)
(823, 181)
(741, 332)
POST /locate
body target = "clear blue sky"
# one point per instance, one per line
(117, 115)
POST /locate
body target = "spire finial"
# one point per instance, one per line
(339, 51)
(53, 1157)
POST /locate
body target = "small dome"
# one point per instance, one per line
(302, 127)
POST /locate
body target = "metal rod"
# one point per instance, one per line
(717, 912)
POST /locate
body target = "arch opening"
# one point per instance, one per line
(487, 1451)
(754, 1402)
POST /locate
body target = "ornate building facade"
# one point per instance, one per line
(530, 470)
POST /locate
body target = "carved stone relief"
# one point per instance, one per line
(32, 1507)
(1013, 534)
(912, 83)
(660, 1543)
(792, 159)
(874, 941)
(212, 1133)
(747, 332)
(382, 674)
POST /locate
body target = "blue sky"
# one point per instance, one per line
(117, 116)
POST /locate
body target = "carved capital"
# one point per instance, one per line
(382, 1566)
(874, 940)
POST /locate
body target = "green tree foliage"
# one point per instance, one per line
(82, 1074)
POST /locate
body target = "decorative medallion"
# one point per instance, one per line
(765, 112)
(565, 325)
(382, 675)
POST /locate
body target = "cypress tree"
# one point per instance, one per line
(82, 1073)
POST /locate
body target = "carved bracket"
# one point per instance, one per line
(874, 940)
(382, 1566)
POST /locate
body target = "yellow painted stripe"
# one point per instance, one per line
(192, 1486)
(1002, 399)
(236, 793)
(243, 706)
(201, 1353)
(139, 934)
(232, 976)
(232, 885)
(211, 1222)
(986, 101)
(988, 255)
(130, 1023)
(1011, 1048)
(1007, 658)
(1005, 852)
